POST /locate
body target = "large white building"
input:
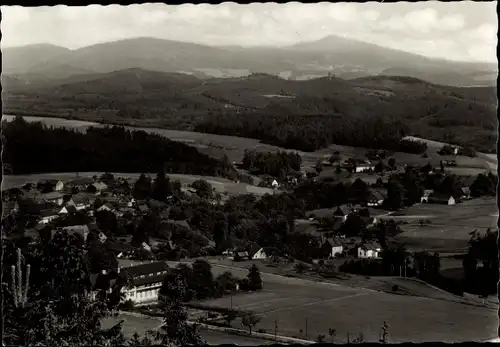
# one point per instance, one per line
(147, 279)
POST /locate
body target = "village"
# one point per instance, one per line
(100, 211)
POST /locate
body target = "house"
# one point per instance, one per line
(50, 185)
(104, 207)
(439, 198)
(82, 182)
(341, 212)
(96, 187)
(369, 250)
(68, 209)
(425, 197)
(376, 199)
(332, 246)
(275, 184)
(131, 203)
(260, 254)
(82, 230)
(47, 216)
(53, 197)
(465, 193)
(79, 206)
(146, 279)
(364, 168)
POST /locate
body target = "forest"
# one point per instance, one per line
(35, 148)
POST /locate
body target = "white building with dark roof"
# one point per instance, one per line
(147, 280)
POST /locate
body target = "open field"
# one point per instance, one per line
(449, 226)
(290, 301)
(140, 325)
(233, 147)
(220, 184)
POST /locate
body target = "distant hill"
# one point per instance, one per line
(345, 58)
(20, 60)
(181, 101)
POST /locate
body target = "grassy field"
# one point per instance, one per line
(449, 226)
(290, 301)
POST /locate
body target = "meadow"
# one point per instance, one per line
(289, 302)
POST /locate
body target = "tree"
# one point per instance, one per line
(230, 316)
(58, 309)
(142, 188)
(161, 187)
(202, 281)
(254, 279)
(319, 166)
(384, 333)
(392, 163)
(332, 333)
(203, 189)
(395, 194)
(320, 338)
(176, 330)
(250, 320)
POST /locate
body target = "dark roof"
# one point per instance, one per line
(341, 211)
(148, 280)
(369, 245)
(82, 181)
(182, 223)
(47, 213)
(146, 269)
(52, 196)
(436, 196)
(143, 208)
(71, 209)
(377, 195)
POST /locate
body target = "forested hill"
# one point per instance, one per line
(303, 115)
(34, 148)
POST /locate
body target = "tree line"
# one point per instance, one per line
(34, 148)
(309, 133)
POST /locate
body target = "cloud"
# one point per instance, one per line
(459, 30)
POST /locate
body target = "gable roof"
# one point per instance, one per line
(436, 196)
(99, 185)
(146, 268)
(83, 181)
(465, 190)
(48, 213)
(52, 196)
(341, 210)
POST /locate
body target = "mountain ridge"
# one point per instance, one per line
(346, 58)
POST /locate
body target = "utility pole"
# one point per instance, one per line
(231, 298)
(275, 329)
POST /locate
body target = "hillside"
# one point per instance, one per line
(345, 58)
(19, 60)
(281, 112)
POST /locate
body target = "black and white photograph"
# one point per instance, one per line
(249, 174)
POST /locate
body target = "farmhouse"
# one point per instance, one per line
(439, 198)
(369, 250)
(275, 184)
(147, 280)
(53, 197)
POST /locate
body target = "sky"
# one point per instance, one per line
(462, 30)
